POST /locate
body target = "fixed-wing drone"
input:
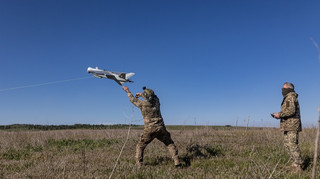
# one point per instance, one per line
(119, 77)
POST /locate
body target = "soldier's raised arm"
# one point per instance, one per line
(290, 107)
(135, 101)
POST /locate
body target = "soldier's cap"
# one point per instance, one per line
(147, 93)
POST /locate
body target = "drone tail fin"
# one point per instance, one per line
(129, 75)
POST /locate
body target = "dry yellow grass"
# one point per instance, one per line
(206, 152)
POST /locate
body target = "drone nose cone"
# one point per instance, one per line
(89, 69)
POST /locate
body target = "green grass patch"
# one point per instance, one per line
(21, 154)
(80, 144)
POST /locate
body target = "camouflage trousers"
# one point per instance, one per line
(162, 135)
(291, 145)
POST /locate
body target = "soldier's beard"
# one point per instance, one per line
(285, 91)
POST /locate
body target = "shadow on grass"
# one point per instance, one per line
(195, 151)
(307, 162)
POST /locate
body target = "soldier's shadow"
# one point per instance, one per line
(307, 162)
(195, 151)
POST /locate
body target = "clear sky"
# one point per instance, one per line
(211, 62)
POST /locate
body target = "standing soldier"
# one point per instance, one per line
(290, 124)
(153, 124)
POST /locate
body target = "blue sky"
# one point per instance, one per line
(210, 62)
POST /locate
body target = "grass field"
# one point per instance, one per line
(206, 152)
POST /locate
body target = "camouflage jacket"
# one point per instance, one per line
(290, 113)
(150, 111)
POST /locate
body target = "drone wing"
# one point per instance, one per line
(112, 77)
(120, 82)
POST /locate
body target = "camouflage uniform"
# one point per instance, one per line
(153, 128)
(290, 124)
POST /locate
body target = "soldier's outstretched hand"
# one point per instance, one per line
(126, 89)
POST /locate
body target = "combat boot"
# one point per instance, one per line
(177, 162)
(138, 165)
(296, 168)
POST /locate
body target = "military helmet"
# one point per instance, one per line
(147, 93)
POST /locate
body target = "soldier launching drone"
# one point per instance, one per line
(153, 124)
(150, 108)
